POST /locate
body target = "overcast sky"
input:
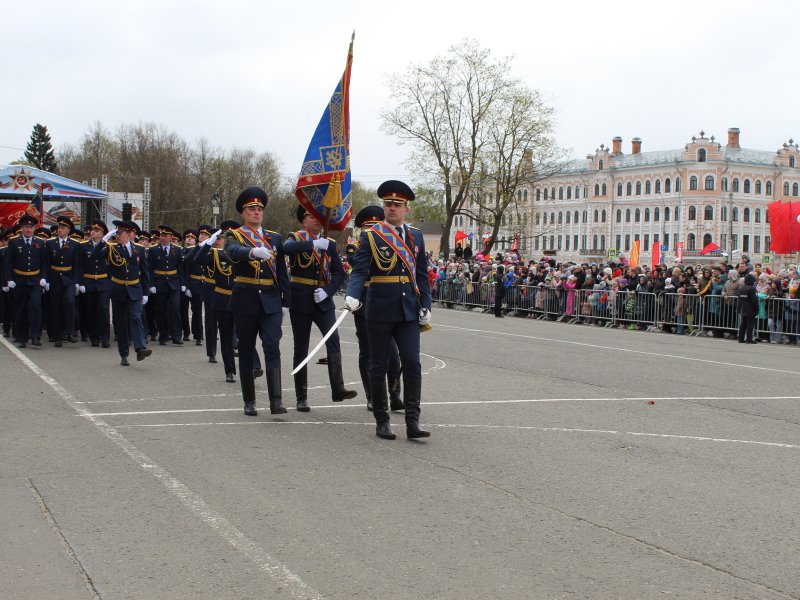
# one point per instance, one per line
(258, 74)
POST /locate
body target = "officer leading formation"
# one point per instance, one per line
(236, 282)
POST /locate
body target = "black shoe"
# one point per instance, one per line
(336, 378)
(37, 342)
(396, 404)
(153, 338)
(162, 342)
(177, 342)
(212, 359)
(250, 409)
(58, 344)
(69, 338)
(752, 342)
(143, 353)
(257, 373)
(741, 341)
(22, 345)
(323, 361)
(413, 431)
(106, 345)
(84, 338)
(95, 344)
(302, 406)
(124, 362)
(383, 431)
(229, 378)
(198, 342)
(301, 390)
(186, 338)
(276, 406)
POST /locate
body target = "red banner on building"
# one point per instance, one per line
(656, 253)
(679, 252)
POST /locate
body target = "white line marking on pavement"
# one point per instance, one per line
(460, 425)
(279, 572)
(599, 347)
(458, 402)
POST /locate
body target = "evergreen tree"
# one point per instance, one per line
(39, 152)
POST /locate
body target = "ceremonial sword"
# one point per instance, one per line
(324, 339)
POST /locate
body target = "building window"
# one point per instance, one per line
(746, 215)
(667, 185)
(767, 243)
(603, 215)
(708, 213)
(603, 243)
(600, 165)
(701, 155)
(735, 184)
(785, 188)
(757, 244)
(628, 189)
(769, 188)
(758, 187)
(553, 193)
(746, 186)
(596, 189)
(619, 189)
(677, 184)
(791, 162)
(568, 213)
(560, 241)
(690, 243)
(576, 217)
(546, 193)
(795, 190)
(692, 182)
(656, 215)
(596, 215)
(561, 193)
(666, 213)
(536, 243)
(735, 214)
(677, 213)
(709, 183)
(658, 186)
(692, 213)
(619, 216)
(553, 218)
(758, 215)
(537, 219)
(627, 242)
(646, 215)
(586, 191)
(575, 242)
(627, 215)
(723, 213)
(638, 188)
(552, 242)
(706, 240)
(637, 216)
(569, 193)
(577, 193)
(604, 191)
(560, 217)
(646, 241)
(567, 246)
(666, 240)
(585, 216)
(525, 195)
(745, 243)
(647, 188)
(619, 242)
(594, 242)
(724, 184)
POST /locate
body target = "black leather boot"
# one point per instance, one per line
(249, 393)
(337, 379)
(276, 406)
(363, 368)
(393, 379)
(380, 405)
(301, 390)
(413, 392)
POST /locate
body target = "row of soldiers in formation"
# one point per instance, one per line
(245, 279)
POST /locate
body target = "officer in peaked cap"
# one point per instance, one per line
(130, 282)
(5, 296)
(208, 284)
(25, 274)
(165, 260)
(364, 220)
(312, 302)
(193, 296)
(392, 257)
(95, 287)
(45, 233)
(64, 279)
(260, 298)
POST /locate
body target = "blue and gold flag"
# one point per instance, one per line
(324, 181)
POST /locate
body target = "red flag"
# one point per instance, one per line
(515, 243)
(779, 215)
(679, 251)
(633, 262)
(710, 247)
(794, 227)
(460, 235)
(656, 253)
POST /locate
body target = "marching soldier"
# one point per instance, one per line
(5, 296)
(261, 296)
(207, 292)
(95, 287)
(193, 277)
(364, 220)
(25, 274)
(65, 278)
(392, 256)
(130, 280)
(165, 265)
(149, 311)
(312, 302)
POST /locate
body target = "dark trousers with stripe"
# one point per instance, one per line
(27, 301)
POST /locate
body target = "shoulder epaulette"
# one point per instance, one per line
(330, 239)
(138, 244)
(414, 228)
(272, 232)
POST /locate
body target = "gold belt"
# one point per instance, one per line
(306, 281)
(197, 277)
(27, 273)
(207, 279)
(223, 291)
(389, 279)
(254, 281)
(98, 276)
(173, 272)
(124, 282)
(61, 269)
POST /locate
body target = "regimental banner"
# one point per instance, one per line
(679, 252)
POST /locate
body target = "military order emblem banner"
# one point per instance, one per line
(324, 181)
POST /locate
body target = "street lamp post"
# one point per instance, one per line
(730, 226)
(215, 208)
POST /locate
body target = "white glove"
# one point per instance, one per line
(152, 290)
(321, 244)
(12, 285)
(284, 314)
(144, 300)
(213, 237)
(46, 287)
(5, 289)
(183, 288)
(424, 316)
(261, 253)
(77, 289)
(82, 289)
(43, 282)
(320, 295)
(352, 303)
(188, 293)
(109, 235)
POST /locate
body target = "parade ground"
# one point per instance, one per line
(565, 462)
